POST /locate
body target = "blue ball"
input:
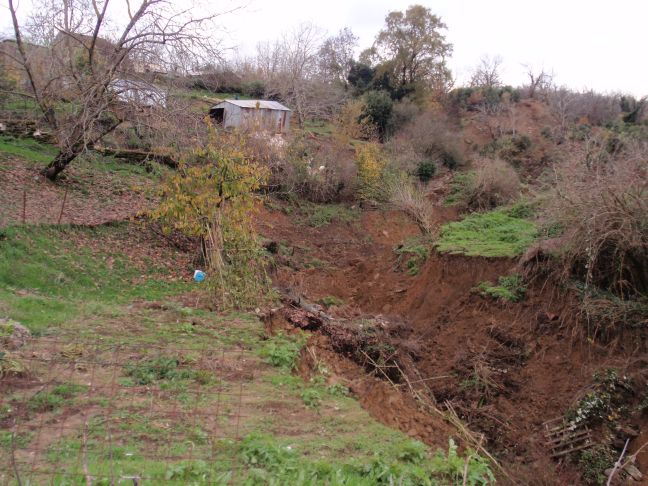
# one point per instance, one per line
(199, 275)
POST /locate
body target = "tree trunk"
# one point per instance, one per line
(60, 162)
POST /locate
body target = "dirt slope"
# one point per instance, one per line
(506, 368)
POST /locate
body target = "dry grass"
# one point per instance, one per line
(602, 205)
(412, 199)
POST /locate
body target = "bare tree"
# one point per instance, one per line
(487, 73)
(539, 82)
(336, 56)
(289, 67)
(561, 102)
(80, 93)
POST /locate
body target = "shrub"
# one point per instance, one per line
(352, 124)
(511, 148)
(604, 401)
(320, 173)
(594, 462)
(411, 199)
(412, 253)
(425, 170)
(601, 202)
(282, 351)
(254, 89)
(510, 288)
(211, 196)
(433, 138)
(494, 183)
(404, 112)
(377, 110)
(371, 170)
(317, 215)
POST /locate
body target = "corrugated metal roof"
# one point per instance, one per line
(262, 104)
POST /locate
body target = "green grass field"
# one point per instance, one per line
(494, 234)
(195, 396)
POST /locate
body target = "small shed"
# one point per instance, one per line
(270, 116)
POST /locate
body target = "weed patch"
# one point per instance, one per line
(510, 288)
(317, 215)
(407, 463)
(282, 351)
(164, 369)
(331, 300)
(47, 278)
(606, 402)
(593, 463)
(412, 254)
(46, 401)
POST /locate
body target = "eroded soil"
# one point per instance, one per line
(504, 368)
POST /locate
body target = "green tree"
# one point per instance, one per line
(211, 196)
(378, 107)
(412, 45)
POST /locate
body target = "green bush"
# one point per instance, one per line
(152, 370)
(510, 288)
(594, 461)
(317, 215)
(605, 402)
(45, 401)
(452, 158)
(282, 351)
(426, 170)
(254, 89)
(378, 107)
(331, 300)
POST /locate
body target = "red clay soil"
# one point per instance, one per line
(92, 198)
(505, 368)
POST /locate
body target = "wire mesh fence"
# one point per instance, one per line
(95, 412)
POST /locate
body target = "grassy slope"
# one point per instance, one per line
(493, 234)
(27, 148)
(47, 280)
(70, 284)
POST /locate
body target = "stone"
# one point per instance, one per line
(13, 335)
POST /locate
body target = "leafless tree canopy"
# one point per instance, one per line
(291, 70)
(487, 73)
(540, 82)
(336, 56)
(87, 46)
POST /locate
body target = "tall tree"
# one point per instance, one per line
(336, 56)
(415, 48)
(87, 89)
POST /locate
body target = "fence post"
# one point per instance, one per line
(24, 206)
(62, 206)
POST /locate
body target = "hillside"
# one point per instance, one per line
(364, 274)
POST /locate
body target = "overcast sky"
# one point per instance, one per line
(586, 43)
